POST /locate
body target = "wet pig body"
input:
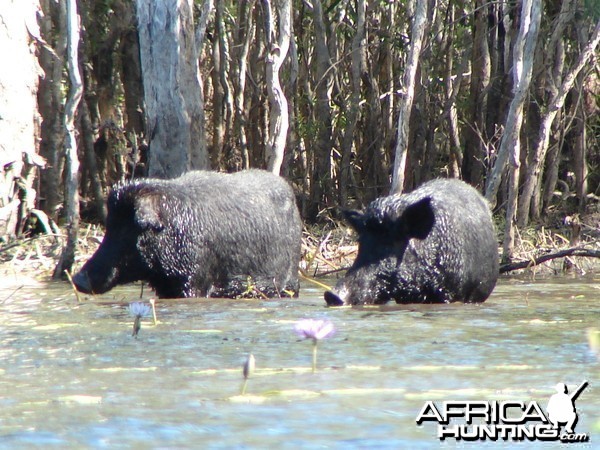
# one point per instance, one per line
(203, 234)
(435, 244)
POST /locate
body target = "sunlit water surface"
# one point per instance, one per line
(72, 375)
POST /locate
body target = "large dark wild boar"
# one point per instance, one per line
(435, 244)
(203, 234)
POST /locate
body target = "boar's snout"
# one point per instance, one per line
(333, 299)
(82, 282)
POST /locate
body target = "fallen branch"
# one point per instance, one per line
(574, 251)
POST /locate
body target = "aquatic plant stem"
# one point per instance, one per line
(304, 276)
(137, 325)
(248, 370)
(70, 278)
(152, 302)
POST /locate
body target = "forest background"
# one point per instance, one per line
(347, 99)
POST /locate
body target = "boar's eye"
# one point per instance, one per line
(417, 219)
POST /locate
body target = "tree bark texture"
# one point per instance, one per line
(277, 48)
(72, 160)
(475, 137)
(408, 91)
(320, 180)
(171, 87)
(541, 145)
(51, 103)
(510, 145)
(18, 112)
(521, 69)
(345, 82)
(357, 69)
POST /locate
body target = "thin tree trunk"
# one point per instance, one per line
(522, 66)
(451, 90)
(87, 132)
(67, 258)
(357, 68)
(320, 183)
(523, 54)
(277, 51)
(243, 35)
(226, 105)
(293, 141)
(406, 103)
(541, 145)
(202, 153)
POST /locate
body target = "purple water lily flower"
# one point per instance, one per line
(316, 330)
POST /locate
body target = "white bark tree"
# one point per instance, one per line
(556, 103)
(18, 112)
(419, 24)
(277, 48)
(510, 144)
(172, 92)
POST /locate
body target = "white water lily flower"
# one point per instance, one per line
(139, 309)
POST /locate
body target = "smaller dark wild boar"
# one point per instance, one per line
(435, 244)
(203, 234)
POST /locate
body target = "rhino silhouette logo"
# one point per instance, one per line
(561, 406)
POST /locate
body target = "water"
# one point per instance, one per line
(71, 374)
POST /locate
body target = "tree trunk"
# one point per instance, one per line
(543, 138)
(451, 91)
(277, 50)
(199, 35)
(98, 202)
(523, 55)
(171, 87)
(244, 32)
(406, 103)
(357, 68)
(522, 67)
(131, 72)
(51, 104)
(18, 113)
(320, 183)
(67, 258)
(475, 136)
(226, 114)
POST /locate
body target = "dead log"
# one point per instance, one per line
(573, 251)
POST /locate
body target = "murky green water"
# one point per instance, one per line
(71, 375)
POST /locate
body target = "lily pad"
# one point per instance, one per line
(81, 399)
(124, 369)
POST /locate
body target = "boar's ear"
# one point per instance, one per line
(355, 219)
(146, 212)
(417, 219)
